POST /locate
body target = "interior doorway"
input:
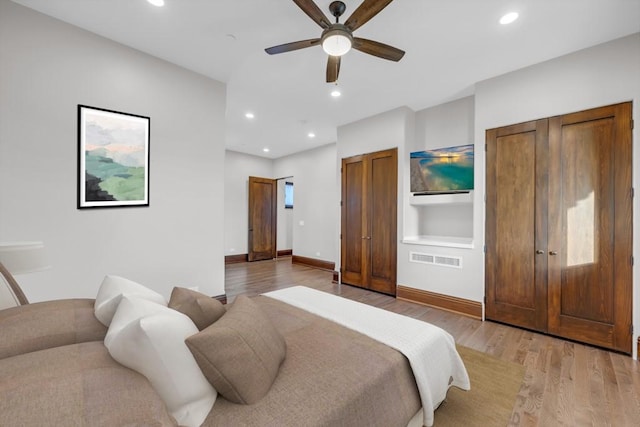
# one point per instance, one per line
(270, 227)
(285, 205)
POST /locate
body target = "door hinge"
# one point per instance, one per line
(632, 123)
(632, 261)
(485, 299)
(340, 236)
(340, 202)
(484, 249)
(485, 147)
(633, 192)
(631, 329)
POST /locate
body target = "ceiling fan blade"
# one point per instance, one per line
(367, 10)
(313, 11)
(333, 68)
(288, 47)
(378, 49)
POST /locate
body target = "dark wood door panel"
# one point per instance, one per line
(353, 230)
(383, 232)
(590, 283)
(369, 221)
(515, 220)
(515, 280)
(262, 219)
(588, 215)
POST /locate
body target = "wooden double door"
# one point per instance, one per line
(559, 226)
(369, 221)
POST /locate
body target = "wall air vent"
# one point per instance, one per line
(445, 261)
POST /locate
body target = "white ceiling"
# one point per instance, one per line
(449, 44)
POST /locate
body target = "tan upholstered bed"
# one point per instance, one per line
(331, 376)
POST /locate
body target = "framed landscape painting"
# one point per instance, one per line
(113, 158)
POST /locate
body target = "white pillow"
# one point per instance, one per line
(134, 308)
(153, 345)
(111, 291)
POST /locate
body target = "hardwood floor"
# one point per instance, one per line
(565, 383)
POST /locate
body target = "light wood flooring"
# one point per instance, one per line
(565, 383)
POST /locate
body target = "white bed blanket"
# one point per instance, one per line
(431, 350)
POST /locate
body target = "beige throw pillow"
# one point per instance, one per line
(201, 309)
(241, 353)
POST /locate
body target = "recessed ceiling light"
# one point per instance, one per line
(266, 150)
(336, 93)
(158, 3)
(249, 115)
(509, 18)
(311, 135)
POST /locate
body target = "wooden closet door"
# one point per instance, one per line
(590, 233)
(354, 256)
(382, 236)
(369, 221)
(515, 261)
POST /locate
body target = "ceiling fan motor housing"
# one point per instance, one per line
(337, 8)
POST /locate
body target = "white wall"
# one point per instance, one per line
(594, 77)
(238, 168)
(375, 133)
(47, 68)
(445, 125)
(285, 218)
(313, 174)
(440, 126)
(315, 199)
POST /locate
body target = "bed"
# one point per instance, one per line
(346, 364)
(336, 375)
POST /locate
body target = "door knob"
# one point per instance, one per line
(539, 252)
(553, 253)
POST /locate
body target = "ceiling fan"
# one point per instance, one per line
(337, 39)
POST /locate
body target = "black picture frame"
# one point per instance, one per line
(113, 158)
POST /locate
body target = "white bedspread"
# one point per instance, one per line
(431, 350)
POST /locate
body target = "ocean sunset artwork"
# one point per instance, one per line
(442, 170)
(113, 158)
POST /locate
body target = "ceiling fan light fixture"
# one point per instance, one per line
(336, 41)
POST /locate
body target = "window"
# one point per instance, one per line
(288, 195)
